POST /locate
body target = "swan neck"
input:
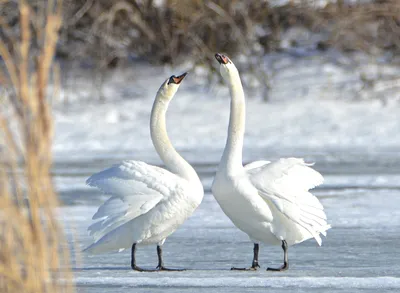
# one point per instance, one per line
(232, 156)
(171, 158)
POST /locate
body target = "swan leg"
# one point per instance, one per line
(160, 266)
(254, 264)
(285, 265)
(133, 261)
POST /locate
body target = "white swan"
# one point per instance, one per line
(268, 201)
(147, 203)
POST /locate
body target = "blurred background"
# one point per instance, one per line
(97, 37)
(322, 82)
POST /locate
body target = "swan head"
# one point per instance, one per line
(170, 86)
(227, 68)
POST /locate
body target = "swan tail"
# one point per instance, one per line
(115, 240)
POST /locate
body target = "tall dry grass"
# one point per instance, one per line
(33, 252)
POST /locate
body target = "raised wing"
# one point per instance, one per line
(254, 167)
(135, 188)
(285, 183)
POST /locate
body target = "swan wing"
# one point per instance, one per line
(286, 183)
(135, 188)
(255, 166)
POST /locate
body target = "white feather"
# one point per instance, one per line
(270, 201)
(285, 183)
(147, 203)
(136, 188)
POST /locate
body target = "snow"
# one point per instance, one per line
(316, 103)
(306, 124)
(317, 109)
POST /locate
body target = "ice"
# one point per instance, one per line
(194, 281)
(359, 253)
(311, 114)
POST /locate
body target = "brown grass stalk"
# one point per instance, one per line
(33, 251)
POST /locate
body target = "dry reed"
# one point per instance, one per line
(167, 31)
(33, 251)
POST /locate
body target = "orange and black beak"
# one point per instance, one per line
(177, 79)
(222, 59)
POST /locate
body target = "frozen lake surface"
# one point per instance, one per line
(319, 109)
(360, 253)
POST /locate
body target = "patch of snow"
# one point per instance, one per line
(317, 103)
(195, 123)
(133, 280)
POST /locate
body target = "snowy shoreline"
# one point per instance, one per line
(317, 104)
(121, 129)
